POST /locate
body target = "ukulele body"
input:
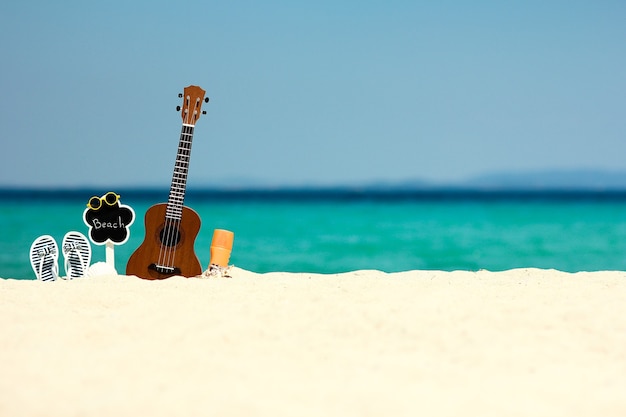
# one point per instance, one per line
(168, 246)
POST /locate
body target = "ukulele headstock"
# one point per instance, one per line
(193, 96)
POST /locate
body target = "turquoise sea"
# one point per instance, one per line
(344, 230)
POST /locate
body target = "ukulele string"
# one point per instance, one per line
(176, 238)
(164, 239)
(171, 244)
(171, 230)
(180, 179)
(167, 242)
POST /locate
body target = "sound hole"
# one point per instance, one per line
(170, 236)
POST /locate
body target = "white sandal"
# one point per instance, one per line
(44, 255)
(77, 253)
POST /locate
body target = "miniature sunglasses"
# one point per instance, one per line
(109, 198)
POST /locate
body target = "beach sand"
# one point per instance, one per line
(524, 342)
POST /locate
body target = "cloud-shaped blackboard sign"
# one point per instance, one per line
(108, 220)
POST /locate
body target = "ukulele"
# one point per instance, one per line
(171, 228)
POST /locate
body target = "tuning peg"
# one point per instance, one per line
(206, 99)
(180, 95)
(177, 108)
(203, 111)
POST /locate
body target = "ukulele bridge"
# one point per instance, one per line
(163, 269)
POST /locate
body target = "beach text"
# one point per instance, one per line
(118, 224)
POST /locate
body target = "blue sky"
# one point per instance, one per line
(324, 92)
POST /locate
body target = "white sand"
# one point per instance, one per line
(517, 343)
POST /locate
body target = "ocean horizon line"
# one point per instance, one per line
(337, 192)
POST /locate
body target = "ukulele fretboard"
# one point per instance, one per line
(179, 179)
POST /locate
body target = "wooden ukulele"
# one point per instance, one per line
(171, 228)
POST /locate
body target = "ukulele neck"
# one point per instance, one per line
(178, 187)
